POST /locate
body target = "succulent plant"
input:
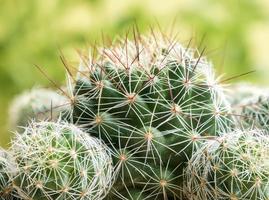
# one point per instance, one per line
(7, 171)
(59, 161)
(153, 102)
(234, 167)
(254, 112)
(38, 104)
(239, 93)
(147, 120)
(250, 104)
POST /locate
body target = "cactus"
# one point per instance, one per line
(239, 93)
(251, 104)
(255, 112)
(7, 171)
(38, 104)
(153, 102)
(59, 161)
(235, 167)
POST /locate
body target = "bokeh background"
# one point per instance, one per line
(234, 32)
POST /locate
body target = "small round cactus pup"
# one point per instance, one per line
(59, 161)
(130, 194)
(235, 167)
(38, 104)
(7, 171)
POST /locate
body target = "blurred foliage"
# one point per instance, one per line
(233, 32)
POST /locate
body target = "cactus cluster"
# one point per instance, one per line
(146, 119)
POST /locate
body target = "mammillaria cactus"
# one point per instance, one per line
(235, 167)
(255, 112)
(238, 93)
(7, 171)
(153, 102)
(38, 104)
(59, 161)
(251, 104)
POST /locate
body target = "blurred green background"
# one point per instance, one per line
(234, 32)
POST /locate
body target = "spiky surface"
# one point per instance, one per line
(39, 104)
(7, 171)
(152, 101)
(234, 167)
(59, 161)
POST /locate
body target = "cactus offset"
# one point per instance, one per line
(59, 161)
(239, 93)
(235, 166)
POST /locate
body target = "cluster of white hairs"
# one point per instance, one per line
(234, 166)
(39, 104)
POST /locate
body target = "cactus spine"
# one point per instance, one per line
(7, 171)
(38, 104)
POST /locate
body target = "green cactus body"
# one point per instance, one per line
(234, 167)
(59, 161)
(38, 104)
(154, 99)
(131, 194)
(7, 171)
